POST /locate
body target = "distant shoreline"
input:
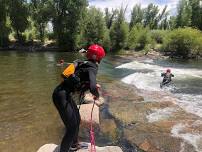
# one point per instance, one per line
(153, 54)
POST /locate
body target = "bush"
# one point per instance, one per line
(159, 36)
(106, 41)
(51, 36)
(139, 37)
(184, 42)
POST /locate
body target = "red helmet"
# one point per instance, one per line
(168, 70)
(95, 52)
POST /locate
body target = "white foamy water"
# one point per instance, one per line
(191, 138)
(147, 76)
(190, 103)
(160, 114)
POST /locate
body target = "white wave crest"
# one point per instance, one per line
(191, 138)
(160, 114)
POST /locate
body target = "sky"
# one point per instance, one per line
(172, 4)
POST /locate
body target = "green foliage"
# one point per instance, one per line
(172, 23)
(41, 14)
(159, 36)
(189, 14)
(184, 42)
(76, 26)
(119, 32)
(184, 14)
(109, 17)
(31, 32)
(153, 16)
(4, 31)
(94, 27)
(19, 17)
(136, 15)
(66, 21)
(196, 13)
(139, 37)
(107, 41)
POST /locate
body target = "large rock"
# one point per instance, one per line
(89, 99)
(55, 148)
(85, 112)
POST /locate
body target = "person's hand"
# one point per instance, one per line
(95, 98)
(82, 51)
(98, 86)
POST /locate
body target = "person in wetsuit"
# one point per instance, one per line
(83, 79)
(167, 77)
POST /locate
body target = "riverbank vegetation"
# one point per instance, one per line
(72, 25)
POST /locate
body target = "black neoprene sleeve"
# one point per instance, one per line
(92, 79)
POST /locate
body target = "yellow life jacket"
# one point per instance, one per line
(70, 69)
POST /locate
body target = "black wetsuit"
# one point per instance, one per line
(166, 78)
(65, 105)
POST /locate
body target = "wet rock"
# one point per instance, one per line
(89, 99)
(146, 146)
(151, 138)
(122, 92)
(48, 148)
(85, 112)
(109, 128)
(129, 107)
(55, 148)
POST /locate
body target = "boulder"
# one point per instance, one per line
(85, 112)
(89, 99)
(55, 148)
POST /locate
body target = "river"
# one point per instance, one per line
(28, 118)
(185, 93)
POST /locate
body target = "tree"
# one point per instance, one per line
(109, 17)
(139, 37)
(119, 31)
(19, 17)
(184, 14)
(136, 15)
(162, 19)
(150, 16)
(153, 18)
(4, 31)
(66, 21)
(172, 22)
(41, 14)
(94, 27)
(196, 17)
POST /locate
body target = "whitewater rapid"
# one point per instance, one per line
(147, 76)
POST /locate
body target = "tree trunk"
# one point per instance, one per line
(19, 36)
(41, 30)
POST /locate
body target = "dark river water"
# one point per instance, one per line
(28, 118)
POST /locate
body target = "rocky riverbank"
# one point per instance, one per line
(148, 126)
(31, 46)
(153, 120)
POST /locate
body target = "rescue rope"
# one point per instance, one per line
(92, 134)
